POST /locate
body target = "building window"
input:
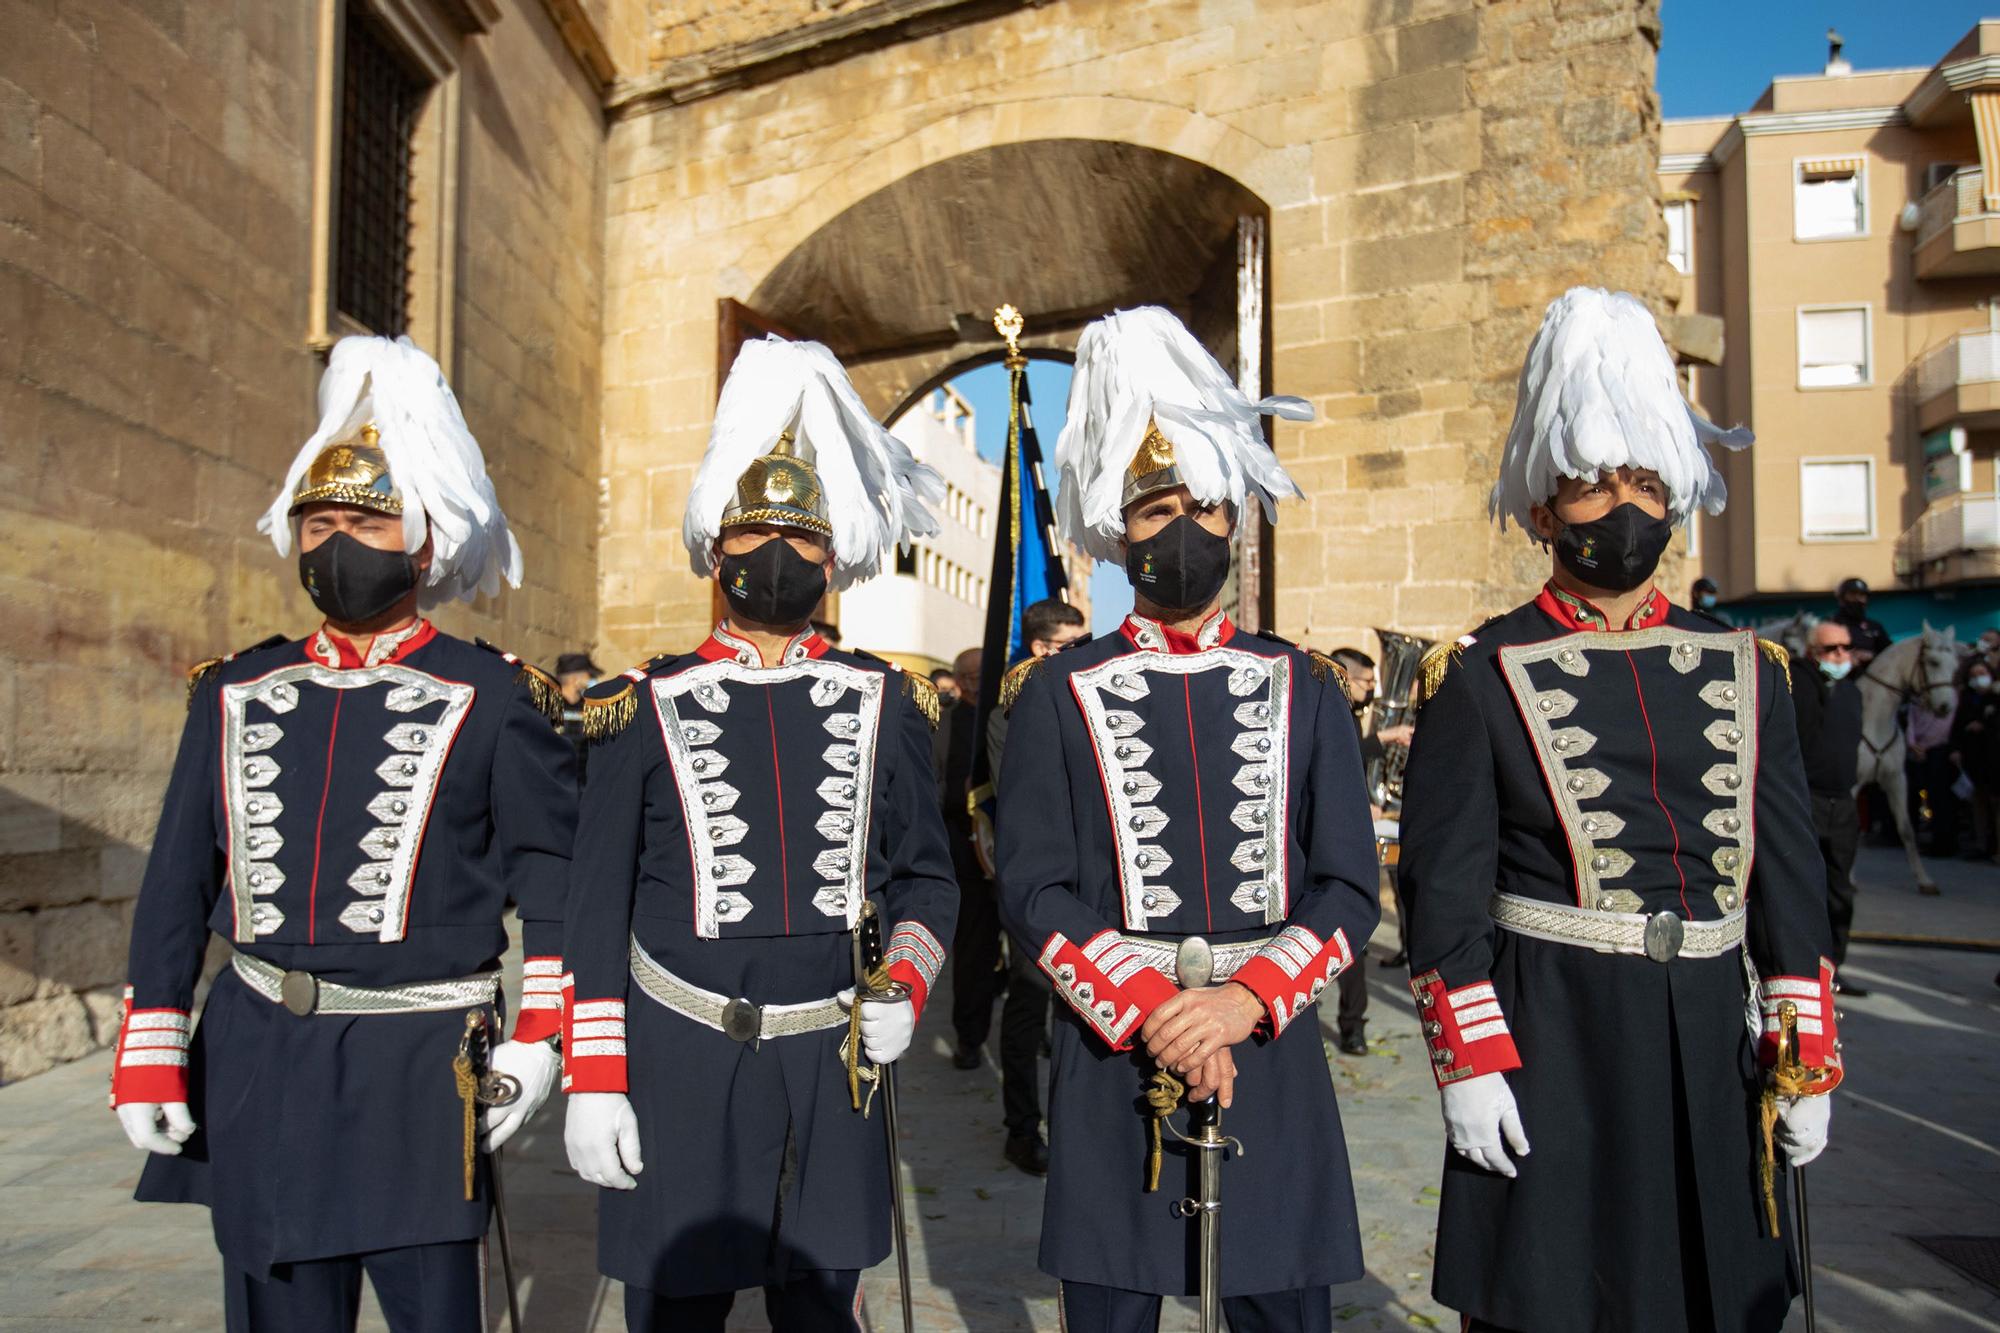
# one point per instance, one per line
(906, 561)
(1836, 499)
(1680, 234)
(1830, 198)
(1833, 346)
(381, 98)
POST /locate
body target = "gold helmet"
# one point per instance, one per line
(781, 487)
(1153, 467)
(353, 472)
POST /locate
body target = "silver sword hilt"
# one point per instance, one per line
(1194, 967)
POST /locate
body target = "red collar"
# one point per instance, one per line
(1153, 637)
(1577, 613)
(722, 646)
(331, 650)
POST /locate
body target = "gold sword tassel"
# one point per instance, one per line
(1788, 1079)
(468, 1091)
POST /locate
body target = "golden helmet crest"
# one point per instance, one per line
(1153, 467)
(781, 487)
(352, 472)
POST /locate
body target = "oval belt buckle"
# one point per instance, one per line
(299, 991)
(742, 1020)
(1664, 934)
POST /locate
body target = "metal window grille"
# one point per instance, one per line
(380, 100)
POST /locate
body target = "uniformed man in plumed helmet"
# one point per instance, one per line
(1610, 866)
(751, 804)
(352, 812)
(1179, 778)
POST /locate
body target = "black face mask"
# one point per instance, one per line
(1360, 706)
(1181, 567)
(1617, 552)
(1852, 612)
(352, 582)
(772, 585)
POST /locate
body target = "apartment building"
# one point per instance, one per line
(1845, 231)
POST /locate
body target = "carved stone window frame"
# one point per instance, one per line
(432, 34)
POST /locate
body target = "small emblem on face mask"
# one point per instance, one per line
(1587, 553)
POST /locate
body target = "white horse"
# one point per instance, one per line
(1921, 671)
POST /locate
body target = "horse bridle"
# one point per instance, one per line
(1911, 687)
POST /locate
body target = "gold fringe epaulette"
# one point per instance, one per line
(923, 694)
(1780, 658)
(605, 717)
(201, 671)
(1324, 667)
(1016, 677)
(542, 689)
(1437, 660)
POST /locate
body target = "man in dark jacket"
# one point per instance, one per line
(1869, 638)
(1829, 713)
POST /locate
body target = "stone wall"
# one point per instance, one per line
(155, 379)
(1434, 172)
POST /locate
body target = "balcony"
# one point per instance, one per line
(1958, 235)
(1959, 383)
(1955, 540)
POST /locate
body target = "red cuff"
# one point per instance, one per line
(915, 958)
(1819, 1041)
(1468, 1034)
(593, 1043)
(1106, 982)
(1288, 974)
(150, 1063)
(541, 1015)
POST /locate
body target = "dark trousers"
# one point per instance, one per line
(814, 1300)
(421, 1289)
(1024, 1024)
(1838, 825)
(1930, 782)
(1088, 1308)
(975, 960)
(1353, 986)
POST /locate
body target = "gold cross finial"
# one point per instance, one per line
(1007, 322)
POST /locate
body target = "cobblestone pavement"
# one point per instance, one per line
(1915, 1152)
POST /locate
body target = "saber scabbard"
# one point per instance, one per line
(871, 982)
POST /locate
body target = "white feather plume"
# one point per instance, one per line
(876, 491)
(433, 460)
(1598, 392)
(1138, 364)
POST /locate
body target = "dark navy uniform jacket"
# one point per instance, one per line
(732, 829)
(366, 821)
(1639, 772)
(1159, 785)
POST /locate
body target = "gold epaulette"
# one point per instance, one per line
(1437, 660)
(1016, 677)
(923, 694)
(605, 717)
(1779, 658)
(542, 689)
(1324, 666)
(200, 672)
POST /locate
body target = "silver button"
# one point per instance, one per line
(1733, 781)
(1261, 712)
(1590, 824)
(1433, 1029)
(1605, 903)
(1142, 860)
(1149, 901)
(1118, 681)
(1257, 852)
(249, 770)
(1600, 862)
(1262, 780)
(381, 877)
(1259, 894)
(1729, 693)
(400, 807)
(1566, 657)
(1561, 743)
(256, 878)
(1263, 745)
(1441, 1058)
(846, 825)
(1684, 649)
(1258, 815)
(420, 738)
(1575, 784)
(1729, 901)
(847, 790)
(1123, 752)
(1732, 823)
(1735, 734)
(1137, 822)
(708, 798)
(409, 768)
(258, 914)
(375, 915)
(701, 765)
(1546, 705)
(390, 842)
(254, 806)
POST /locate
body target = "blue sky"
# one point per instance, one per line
(1716, 56)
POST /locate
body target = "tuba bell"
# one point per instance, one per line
(1395, 683)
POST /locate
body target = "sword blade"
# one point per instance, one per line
(506, 1240)
(891, 1124)
(1805, 1244)
(1210, 1176)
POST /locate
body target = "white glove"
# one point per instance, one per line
(1802, 1127)
(602, 1136)
(1477, 1112)
(535, 1065)
(141, 1124)
(886, 1026)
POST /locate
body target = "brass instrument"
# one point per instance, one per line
(1395, 686)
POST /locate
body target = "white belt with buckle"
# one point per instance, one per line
(737, 1019)
(1162, 955)
(303, 993)
(1660, 936)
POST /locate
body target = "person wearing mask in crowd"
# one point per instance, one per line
(575, 673)
(1828, 704)
(1975, 749)
(946, 686)
(1604, 809)
(1869, 636)
(1708, 600)
(1351, 1014)
(1047, 627)
(977, 969)
(1932, 775)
